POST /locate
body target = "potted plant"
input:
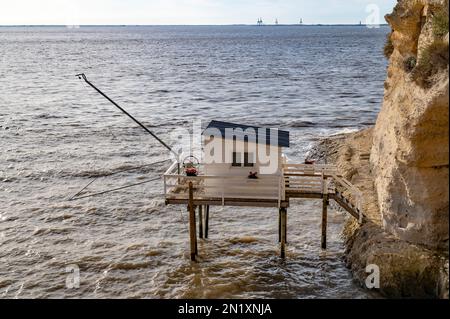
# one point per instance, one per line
(252, 175)
(191, 171)
(190, 165)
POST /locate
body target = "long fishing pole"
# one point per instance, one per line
(114, 190)
(83, 76)
(111, 174)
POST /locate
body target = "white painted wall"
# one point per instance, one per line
(268, 165)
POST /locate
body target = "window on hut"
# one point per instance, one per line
(249, 159)
(237, 162)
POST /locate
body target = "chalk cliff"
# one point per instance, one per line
(410, 153)
(406, 181)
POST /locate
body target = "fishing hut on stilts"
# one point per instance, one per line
(244, 165)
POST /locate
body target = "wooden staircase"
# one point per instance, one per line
(353, 202)
(323, 181)
(348, 206)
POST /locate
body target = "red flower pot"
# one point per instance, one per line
(192, 171)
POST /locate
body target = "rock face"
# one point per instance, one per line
(410, 153)
(405, 183)
(407, 270)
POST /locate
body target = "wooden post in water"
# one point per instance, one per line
(200, 221)
(206, 221)
(279, 225)
(285, 226)
(192, 226)
(324, 214)
(283, 220)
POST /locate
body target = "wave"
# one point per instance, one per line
(301, 123)
(131, 265)
(243, 240)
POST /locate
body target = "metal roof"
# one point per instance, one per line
(248, 133)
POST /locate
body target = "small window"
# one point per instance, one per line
(249, 159)
(237, 162)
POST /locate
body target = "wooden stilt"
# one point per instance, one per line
(200, 221)
(324, 221)
(283, 214)
(206, 221)
(285, 226)
(192, 226)
(279, 225)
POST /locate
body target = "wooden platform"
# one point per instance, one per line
(295, 181)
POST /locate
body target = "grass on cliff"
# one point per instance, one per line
(410, 63)
(440, 22)
(433, 59)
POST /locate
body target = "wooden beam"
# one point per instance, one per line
(324, 221)
(229, 202)
(279, 225)
(285, 226)
(305, 195)
(206, 221)
(200, 221)
(192, 226)
(283, 214)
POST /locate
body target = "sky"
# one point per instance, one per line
(197, 12)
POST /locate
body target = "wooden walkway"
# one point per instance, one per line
(296, 181)
(317, 181)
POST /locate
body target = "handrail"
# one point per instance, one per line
(315, 178)
(270, 185)
(171, 168)
(200, 177)
(356, 193)
(310, 165)
(220, 187)
(311, 170)
(344, 182)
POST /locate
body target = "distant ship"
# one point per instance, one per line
(276, 21)
(260, 22)
(301, 22)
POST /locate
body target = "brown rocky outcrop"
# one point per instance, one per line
(405, 182)
(410, 152)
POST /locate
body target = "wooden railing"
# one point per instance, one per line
(310, 170)
(323, 179)
(357, 197)
(308, 178)
(295, 180)
(266, 187)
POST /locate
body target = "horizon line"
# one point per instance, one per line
(173, 25)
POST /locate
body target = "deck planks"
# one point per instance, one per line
(298, 181)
